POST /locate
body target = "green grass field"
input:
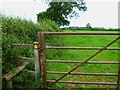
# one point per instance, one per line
(81, 55)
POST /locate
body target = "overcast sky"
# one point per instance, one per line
(100, 13)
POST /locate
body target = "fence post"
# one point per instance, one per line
(9, 83)
(42, 57)
(36, 61)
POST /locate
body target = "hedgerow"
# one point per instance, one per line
(20, 31)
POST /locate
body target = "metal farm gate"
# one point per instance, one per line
(42, 48)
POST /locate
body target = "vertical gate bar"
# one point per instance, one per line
(42, 57)
(85, 61)
(39, 53)
(118, 81)
(118, 86)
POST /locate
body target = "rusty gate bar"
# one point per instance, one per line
(42, 57)
(118, 81)
(56, 47)
(81, 48)
(86, 60)
(90, 62)
(44, 60)
(39, 52)
(82, 33)
(78, 73)
(76, 82)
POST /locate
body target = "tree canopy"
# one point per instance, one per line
(61, 11)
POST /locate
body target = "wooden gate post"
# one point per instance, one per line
(42, 58)
(9, 83)
(36, 61)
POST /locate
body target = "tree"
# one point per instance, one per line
(88, 26)
(61, 11)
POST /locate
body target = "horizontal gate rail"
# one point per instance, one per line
(90, 62)
(81, 48)
(56, 47)
(79, 73)
(81, 33)
(76, 82)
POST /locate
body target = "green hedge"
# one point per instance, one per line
(21, 31)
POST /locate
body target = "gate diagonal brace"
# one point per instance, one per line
(79, 65)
